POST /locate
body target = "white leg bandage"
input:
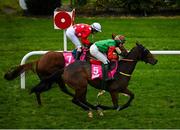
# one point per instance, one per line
(70, 33)
(97, 54)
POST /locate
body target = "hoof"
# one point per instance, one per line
(119, 108)
(100, 112)
(90, 114)
(101, 93)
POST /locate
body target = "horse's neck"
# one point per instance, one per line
(129, 66)
(134, 54)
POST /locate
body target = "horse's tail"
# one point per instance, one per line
(14, 72)
(47, 82)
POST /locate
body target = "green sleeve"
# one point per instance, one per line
(105, 44)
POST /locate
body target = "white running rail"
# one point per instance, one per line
(25, 58)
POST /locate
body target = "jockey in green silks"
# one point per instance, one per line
(106, 50)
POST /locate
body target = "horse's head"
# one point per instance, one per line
(145, 55)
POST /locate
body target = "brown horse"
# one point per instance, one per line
(78, 74)
(44, 67)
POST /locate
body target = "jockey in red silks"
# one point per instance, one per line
(82, 32)
(109, 47)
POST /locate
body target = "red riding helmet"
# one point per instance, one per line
(120, 39)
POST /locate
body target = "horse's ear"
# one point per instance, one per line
(113, 36)
(137, 43)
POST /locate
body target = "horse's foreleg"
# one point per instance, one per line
(100, 93)
(80, 98)
(114, 96)
(87, 107)
(104, 107)
(90, 105)
(81, 104)
(131, 97)
(64, 88)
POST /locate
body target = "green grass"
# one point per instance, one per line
(156, 88)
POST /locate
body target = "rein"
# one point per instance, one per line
(129, 60)
(128, 75)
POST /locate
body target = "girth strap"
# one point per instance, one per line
(128, 75)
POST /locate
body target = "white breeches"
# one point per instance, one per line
(70, 33)
(97, 54)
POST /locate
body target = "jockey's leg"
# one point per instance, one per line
(105, 73)
(97, 54)
(78, 53)
(71, 35)
(100, 56)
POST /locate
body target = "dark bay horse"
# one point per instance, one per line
(78, 74)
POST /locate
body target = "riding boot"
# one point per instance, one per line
(105, 73)
(78, 54)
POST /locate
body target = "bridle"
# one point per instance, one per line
(129, 60)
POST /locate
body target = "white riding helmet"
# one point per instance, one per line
(96, 26)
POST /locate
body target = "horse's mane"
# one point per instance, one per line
(131, 51)
(139, 47)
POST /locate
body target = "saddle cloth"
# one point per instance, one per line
(69, 57)
(97, 70)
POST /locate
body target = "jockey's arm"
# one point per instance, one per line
(85, 42)
(111, 54)
(118, 50)
(124, 52)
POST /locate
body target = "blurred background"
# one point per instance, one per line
(93, 7)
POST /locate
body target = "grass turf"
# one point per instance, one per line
(156, 88)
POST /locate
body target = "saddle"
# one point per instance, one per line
(83, 53)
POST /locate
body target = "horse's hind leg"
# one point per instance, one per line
(38, 97)
(131, 97)
(38, 89)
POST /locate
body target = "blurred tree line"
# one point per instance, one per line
(42, 7)
(138, 6)
(141, 7)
